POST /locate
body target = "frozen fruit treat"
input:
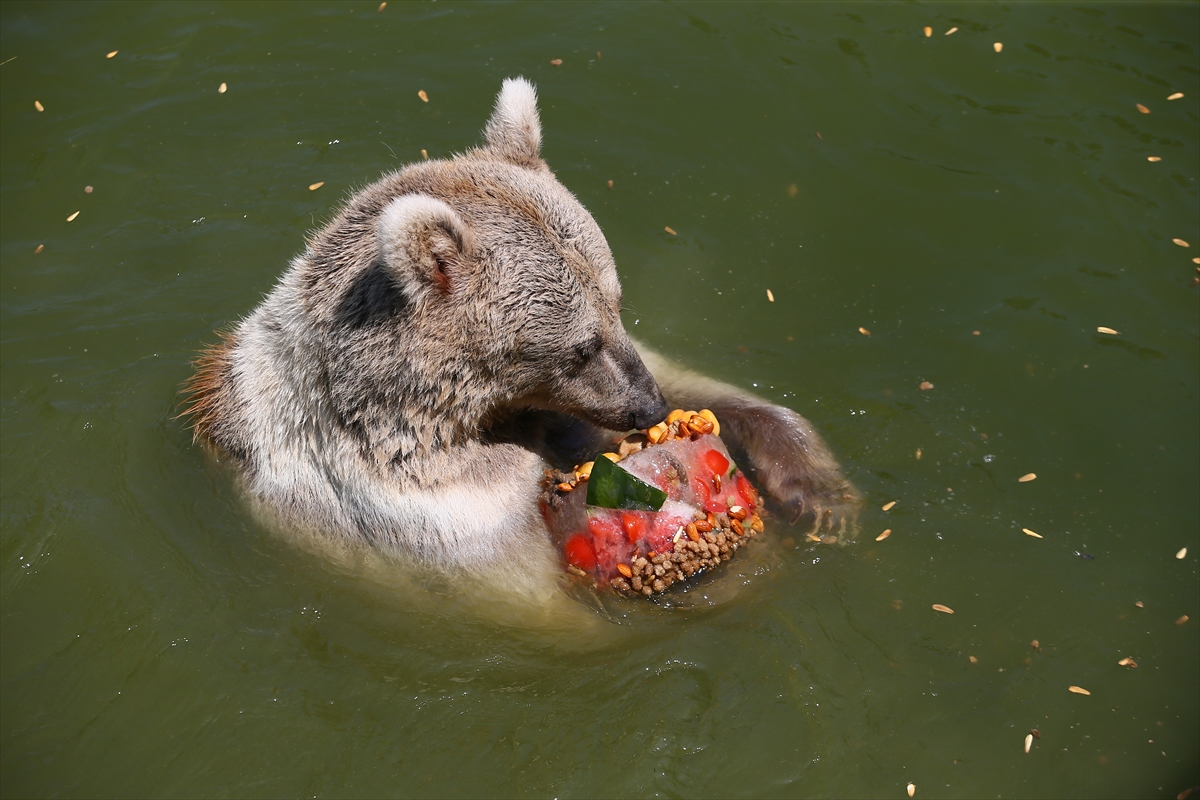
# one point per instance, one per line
(667, 505)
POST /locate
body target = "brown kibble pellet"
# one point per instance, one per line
(312, 187)
(421, 94)
(1079, 690)
(942, 608)
(883, 535)
(1027, 477)
(1142, 108)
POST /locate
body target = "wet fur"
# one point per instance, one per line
(450, 334)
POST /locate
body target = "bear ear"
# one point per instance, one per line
(425, 244)
(514, 132)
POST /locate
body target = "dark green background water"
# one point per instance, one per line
(156, 642)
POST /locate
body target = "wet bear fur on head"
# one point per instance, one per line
(453, 332)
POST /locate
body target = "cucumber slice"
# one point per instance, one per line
(610, 486)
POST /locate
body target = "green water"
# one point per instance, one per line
(156, 641)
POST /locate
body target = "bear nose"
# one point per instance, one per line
(651, 413)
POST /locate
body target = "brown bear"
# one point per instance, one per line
(452, 333)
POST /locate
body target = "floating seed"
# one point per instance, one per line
(382, 6)
(1078, 690)
(566, 487)
(1127, 662)
(928, 33)
(1027, 477)
(793, 190)
(1036, 733)
(1109, 331)
(221, 89)
(1153, 158)
(39, 249)
(952, 30)
(711, 417)
(421, 94)
(625, 570)
(1028, 741)
(113, 53)
(998, 46)
(942, 608)
(38, 106)
(912, 787)
(925, 386)
(883, 535)
(1180, 242)
(556, 62)
(1142, 109)
(770, 296)
(1175, 96)
(1182, 620)
(1182, 553)
(1035, 644)
(73, 216)
(1032, 533)
(585, 471)
(864, 331)
(610, 183)
(87, 190)
(668, 229)
(973, 659)
(918, 454)
(424, 154)
(889, 505)
(1140, 604)
(312, 187)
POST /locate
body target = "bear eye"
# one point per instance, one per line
(584, 352)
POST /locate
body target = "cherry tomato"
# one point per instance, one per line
(716, 462)
(580, 553)
(634, 525)
(748, 492)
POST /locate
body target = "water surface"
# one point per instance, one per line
(156, 641)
